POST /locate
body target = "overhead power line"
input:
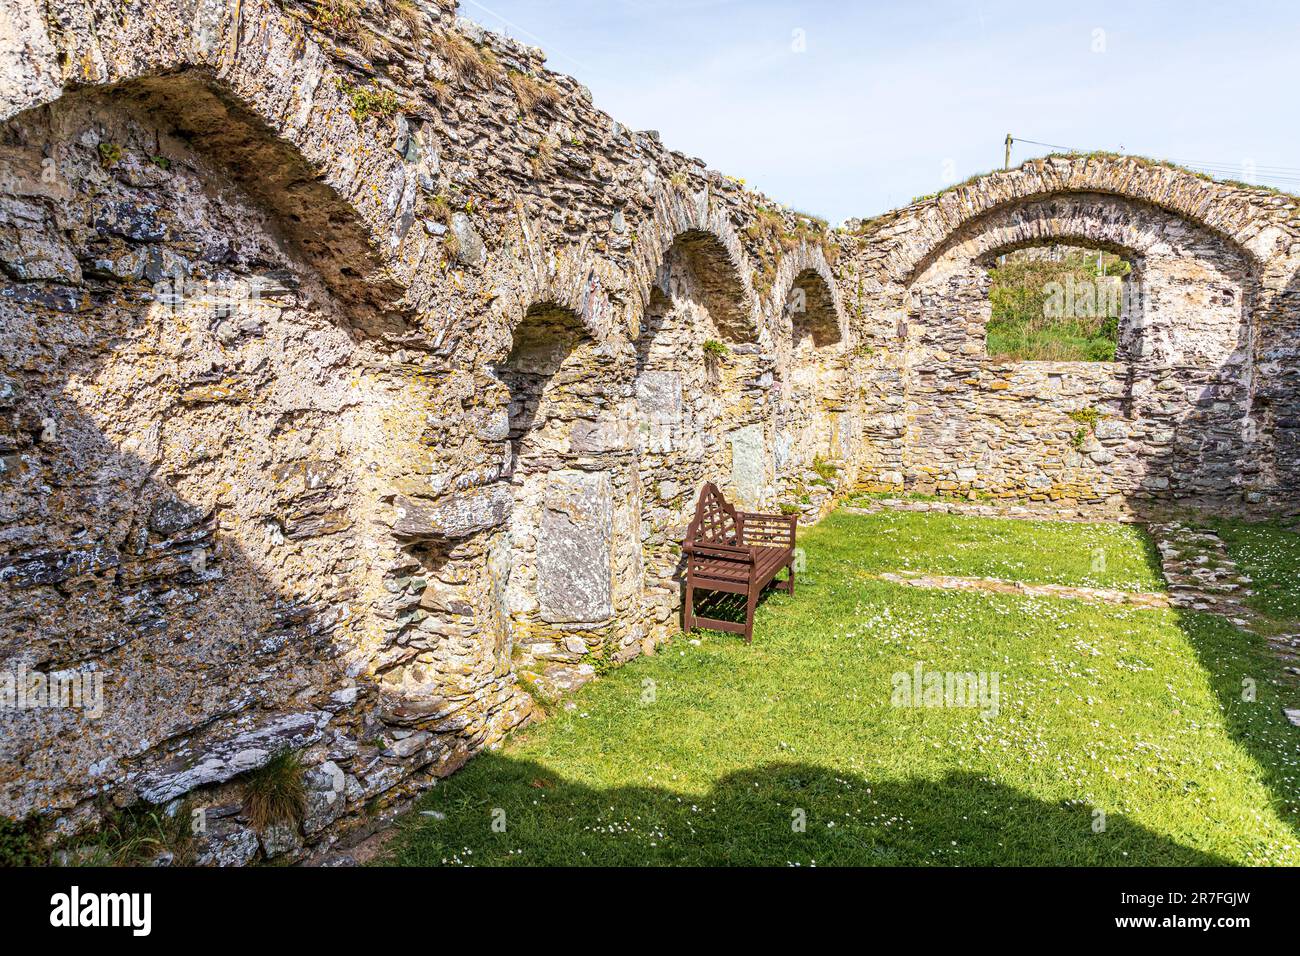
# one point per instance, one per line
(1263, 174)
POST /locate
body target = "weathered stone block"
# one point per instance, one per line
(457, 517)
(573, 552)
(170, 516)
(659, 397)
(225, 841)
(470, 248)
(225, 758)
(748, 464)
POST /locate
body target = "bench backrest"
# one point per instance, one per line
(715, 519)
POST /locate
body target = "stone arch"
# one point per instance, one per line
(573, 561)
(212, 80)
(1181, 381)
(206, 506)
(1233, 213)
(814, 412)
(1197, 288)
(805, 268)
(264, 113)
(716, 282)
(698, 353)
(811, 309)
(577, 281)
(695, 236)
(542, 347)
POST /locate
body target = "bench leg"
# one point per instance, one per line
(750, 604)
(789, 581)
(688, 612)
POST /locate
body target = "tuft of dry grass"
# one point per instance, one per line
(770, 230)
(336, 16)
(135, 836)
(467, 61)
(341, 19)
(276, 793)
(408, 14)
(451, 245)
(440, 208)
(532, 91)
(543, 155)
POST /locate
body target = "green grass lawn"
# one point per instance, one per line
(1270, 556)
(1038, 552)
(715, 753)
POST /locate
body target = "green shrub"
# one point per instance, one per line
(19, 844)
(1086, 416)
(825, 470)
(110, 154)
(371, 101)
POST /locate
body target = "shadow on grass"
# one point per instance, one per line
(726, 607)
(1257, 726)
(750, 819)
(1151, 556)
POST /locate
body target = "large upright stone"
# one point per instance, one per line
(659, 409)
(748, 464)
(573, 550)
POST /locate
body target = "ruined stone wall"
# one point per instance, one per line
(358, 377)
(358, 380)
(1188, 411)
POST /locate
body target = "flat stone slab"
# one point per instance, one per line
(748, 465)
(457, 517)
(222, 759)
(573, 549)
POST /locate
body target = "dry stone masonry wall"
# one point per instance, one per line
(1200, 407)
(358, 377)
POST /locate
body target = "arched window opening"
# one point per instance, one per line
(544, 373)
(813, 396)
(1062, 303)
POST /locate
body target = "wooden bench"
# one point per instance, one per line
(736, 552)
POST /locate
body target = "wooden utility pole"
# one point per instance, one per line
(1006, 162)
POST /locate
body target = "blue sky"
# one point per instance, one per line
(887, 101)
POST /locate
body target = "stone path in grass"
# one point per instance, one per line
(949, 582)
(1202, 575)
